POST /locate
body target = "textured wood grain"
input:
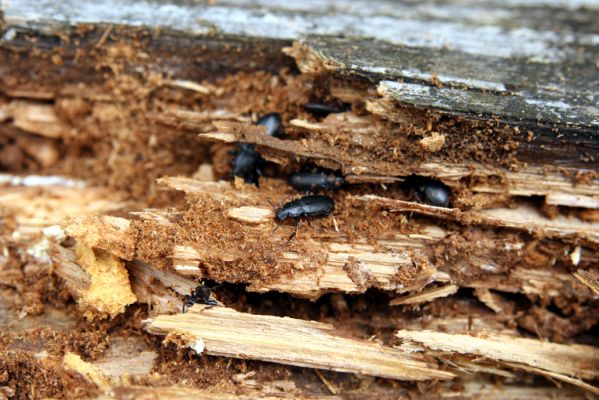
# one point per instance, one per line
(226, 332)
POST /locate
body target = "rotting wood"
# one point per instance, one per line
(109, 291)
(523, 217)
(443, 83)
(532, 180)
(492, 300)
(103, 232)
(474, 387)
(590, 278)
(573, 360)
(425, 296)
(348, 267)
(223, 331)
(183, 393)
(39, 203)
(40, 119)
(558, 377)
(150, 285)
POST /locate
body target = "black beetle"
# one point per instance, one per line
(199, 295)
(305, 207)
(273, 123)
(432, 192)
(324, 109)
(312, 181)
(248, 162)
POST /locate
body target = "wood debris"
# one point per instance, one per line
(533, 181)
(425, 295)
(589, 278)
(223, 331)
(498, 294)
(523, 217)
(110, 290)
(570, 361)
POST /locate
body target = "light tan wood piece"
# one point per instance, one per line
(426, 295)
(589, 278)
(573, 361)
(524, 217)
(226, 332)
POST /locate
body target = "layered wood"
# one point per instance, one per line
(319, 147)
(334, 263)
(226, 332)
(508, 127)
(521, 216)
(570, 363)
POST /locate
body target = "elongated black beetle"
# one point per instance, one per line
(199, 295)
(305, 207)
(323, 109)
(272, 122)
(432, 192)
(314, 181)
(248, 163)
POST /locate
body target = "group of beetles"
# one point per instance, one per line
(248, 164)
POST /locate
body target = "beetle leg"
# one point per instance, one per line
(297, 224)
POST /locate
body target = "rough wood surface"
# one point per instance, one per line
(425, 295)
(512, 72)
(522, 216)
(344, 266)
(571, 361)
(533, 180)
(182, 393)
(226, 332)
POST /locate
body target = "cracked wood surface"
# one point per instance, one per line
(519, 66)
(569, 363)
(533, 180)
(226, 332)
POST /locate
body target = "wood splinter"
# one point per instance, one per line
(225, 332)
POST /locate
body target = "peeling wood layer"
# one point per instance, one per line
(223, 331)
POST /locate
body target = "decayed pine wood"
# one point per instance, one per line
(184, 393)
(97, 279)
(65, 266)
(532, 180)
(562, 199)
(589, 278)
(110, 290)
(104, 232)
(349, 267)
(477, 388)
(223, 331)
(45, 201)
(425, 295)
(523, 217)
(515, 60)
(573, 361)
(33, 117)
(150, 285)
